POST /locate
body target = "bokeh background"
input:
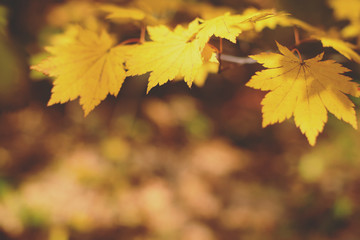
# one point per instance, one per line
(176, 164)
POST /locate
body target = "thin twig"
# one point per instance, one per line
(237, 60)
(219, 55)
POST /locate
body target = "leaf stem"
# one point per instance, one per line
(213, 47)
(297, 51)
(299, 41)
(221, 46)
(304, 41)
(131, 40)
(136, 40)
(296, 36)
(142, 34)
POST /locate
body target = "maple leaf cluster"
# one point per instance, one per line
(88, 62)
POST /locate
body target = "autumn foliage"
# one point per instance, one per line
(88, 62)
(201, 118)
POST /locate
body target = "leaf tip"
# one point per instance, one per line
(51, 101)
(354, 124)
(189, 83)
(312, 142)
(265, 123)
(87, 110)
(311, 137)
(148, 89)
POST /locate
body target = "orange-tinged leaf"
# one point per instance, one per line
(305, 89)
(87, 66)
(171, 54)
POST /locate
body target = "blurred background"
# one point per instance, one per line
(176, 164)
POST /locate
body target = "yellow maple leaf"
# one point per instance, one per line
(159, 8)
(268, 20)
(148, 12)
(349, 10)
(329, 39)
(206, 10)
(86, 66)
(210, 65)
(345, 48)
(73, 12)
(170, 54)
(307, 27)
(228, 26)
(180, 53)
(305, 89)
(351, 30)
(122, 13)
(207, 67)
(224, 26)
